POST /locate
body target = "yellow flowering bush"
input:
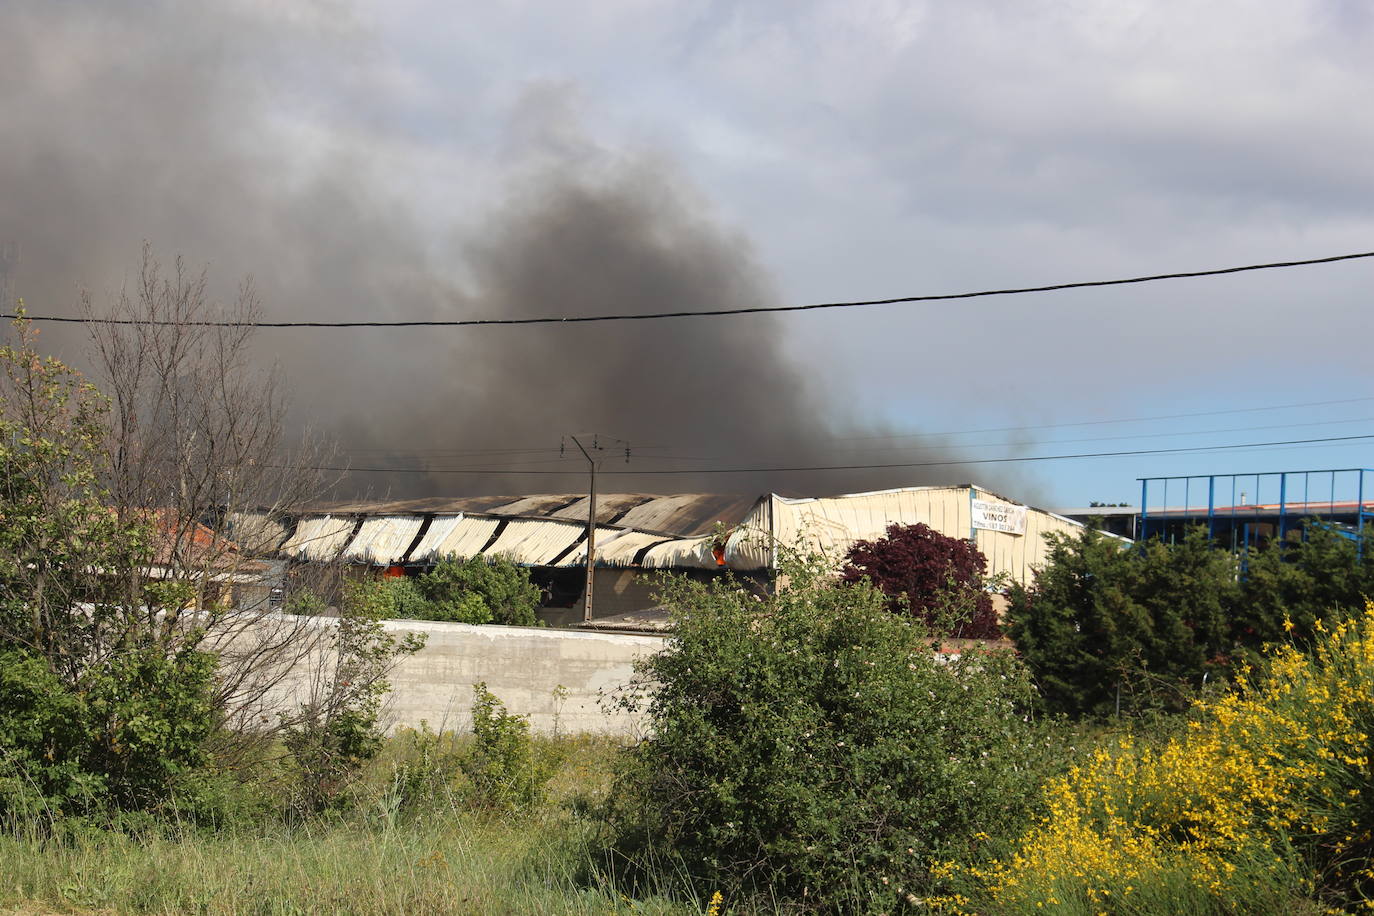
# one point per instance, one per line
(1266, 799)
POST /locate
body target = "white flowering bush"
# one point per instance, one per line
(811, 747)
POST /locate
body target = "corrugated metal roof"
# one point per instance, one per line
(257, 532)
(460, 536)
(445, 505)
(382, 541)
(546, 530)
(684, 515)
(541, 506)
(682, 553)
(614, 547)
(688, 514)
(320, 539)
(535, 542)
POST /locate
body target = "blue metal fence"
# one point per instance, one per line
(1245, 510)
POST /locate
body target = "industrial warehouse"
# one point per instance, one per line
(637, 537)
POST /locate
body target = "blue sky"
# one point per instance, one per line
(354, 157)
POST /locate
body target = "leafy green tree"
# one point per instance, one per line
(1314, 574)
(478, 590)
(810, 747)
(1108, 627)
(100, 703)
(118, 668)
(1078, 621)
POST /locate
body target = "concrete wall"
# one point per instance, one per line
(523, 666)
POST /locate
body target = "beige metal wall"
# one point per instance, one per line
(1020, 555)
(830, 525)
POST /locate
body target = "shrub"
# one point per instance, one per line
(1108, 627)
(41, 739)
(391, 598)
(335, 732)
(924, 572)
(126, 737)
(101, 703)
(478, 590)
(1314, 575)
(503, 766)
(811, 747)
(1267, 797)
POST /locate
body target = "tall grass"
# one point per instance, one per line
(434, 867)
(438, 855)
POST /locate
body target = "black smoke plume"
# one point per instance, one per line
(214, 132)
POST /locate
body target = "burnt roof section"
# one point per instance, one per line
(681, 515)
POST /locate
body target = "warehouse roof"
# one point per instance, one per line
(659, 532)
(683, 514)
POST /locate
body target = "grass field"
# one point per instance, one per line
(459, 866)
(441, 857)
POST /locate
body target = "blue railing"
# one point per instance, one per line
(1247, 509)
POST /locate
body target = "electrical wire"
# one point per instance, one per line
(707, 313)
(1167, 416)
(853, 467)
(640, 450)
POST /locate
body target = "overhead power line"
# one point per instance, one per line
(421, 455)
(642, 451)
(706, 313)
(1145, 419)
(851, 467)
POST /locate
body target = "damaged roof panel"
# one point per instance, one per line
(614, 547)
(684, 515)
(535, 542)
(688, 514)
(257, 532)
(320, 539)
(682, 553)
(460, 536)
(384, 540)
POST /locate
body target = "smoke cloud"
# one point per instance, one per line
(267, 146)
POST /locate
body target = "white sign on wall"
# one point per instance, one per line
(992, 516)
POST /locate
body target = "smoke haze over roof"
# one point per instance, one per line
(121, 140)
(386, 161)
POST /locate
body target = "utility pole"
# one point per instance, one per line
(598, 449)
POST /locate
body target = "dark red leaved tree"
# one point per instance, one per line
(931, 570)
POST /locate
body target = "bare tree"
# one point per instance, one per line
(199, 452)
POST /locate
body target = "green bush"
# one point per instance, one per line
(1108, 627)
(463, 608)
(477, 590)
(506, 772)
(390, 598)
(41, 739)
(1316, 574)
(336, 732)
(811, 747)
(126, 737)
